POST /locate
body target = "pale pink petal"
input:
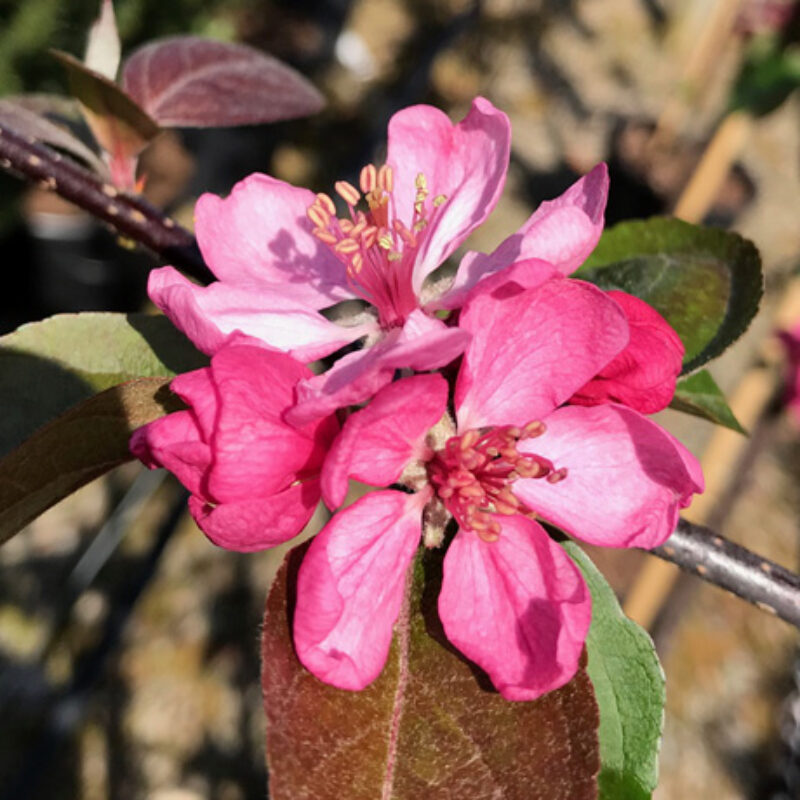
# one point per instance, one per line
(532, 350)
(259, 522)
(466, 163)
(517, 607)
(209, 314)
(255, 452)
(351, 585)
(174, 442)
(563, 231)
(527, 274)
(626, 477)
(260, 234)
(377, 443)
(422, 344)
(644, 374)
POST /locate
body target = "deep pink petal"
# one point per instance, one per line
(517, 607)
(562, 231)
(260, 234)
(644, 374)
(527, 274)
(466, 163)
(422, 344)
(209, 314)
(626, 478)
(174, 442)
(255, 452)
(258, 522)
(532, 349)
(377, 443)
(351, 585)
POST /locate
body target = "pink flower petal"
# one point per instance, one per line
(517, 607)
(532, 350)
(255, 452)
(562, 231)
(377, 443)
(260, 234)
(174, 442)
(466, 163)
(260, 522)
(643, 375)
(626, 477)
(351, 585)
(267, 313)
(423, 343)
(527, 274)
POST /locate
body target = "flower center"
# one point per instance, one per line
(377, 249)
(472, 475)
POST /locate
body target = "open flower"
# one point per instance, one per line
(511, 599)
(254, 480)
(282, 254)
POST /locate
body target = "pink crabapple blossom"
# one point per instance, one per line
(254, 480)
(511, 599)
(282, 254)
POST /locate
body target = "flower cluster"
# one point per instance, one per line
(521, 398)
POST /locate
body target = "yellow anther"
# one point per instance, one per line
(347, 227)
(369, 236)
(394, 255)
(326, 202)
(347, 192)
(419, 225)
(386, 178)
(421, 182)
(439, 200)
(469, 439)
(347, 246)
(368, 178)
(356, 262)
(385, 241)
(319, 216)
(324, 236)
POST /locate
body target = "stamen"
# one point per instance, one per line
(347, 192)
(347, 246)
(319, 216)
(327, 203)
(325, 236)
(439, 200)
(386, 178)
(368, 178)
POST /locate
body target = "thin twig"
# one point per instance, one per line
(131, 216)
(702, 552)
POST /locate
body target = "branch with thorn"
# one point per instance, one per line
(694, 548)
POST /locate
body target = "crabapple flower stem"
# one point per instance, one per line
(703, 552)
(131, 216)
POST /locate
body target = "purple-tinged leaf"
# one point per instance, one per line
(188, 81)
(430, 726)
(103, 49)
(75, 448)
(54, 106)
(32, 126)
(121, 128)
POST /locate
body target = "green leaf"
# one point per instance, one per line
(429, 727)
(705, 282)
(769, 74)
(629, 686)
(76, 448)
(699, 395)
(46, 367)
